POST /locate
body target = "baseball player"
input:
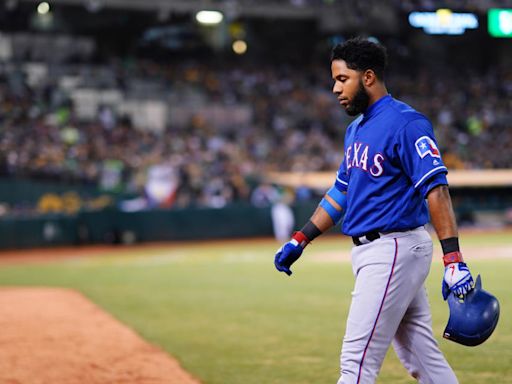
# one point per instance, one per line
(391, 178)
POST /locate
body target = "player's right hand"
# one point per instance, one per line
(457, 280)
(289, 253)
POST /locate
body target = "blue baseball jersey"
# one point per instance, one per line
(391, 157)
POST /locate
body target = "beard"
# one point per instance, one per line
(359, 103)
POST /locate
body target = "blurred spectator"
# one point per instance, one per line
(227, 125)
(264, 195)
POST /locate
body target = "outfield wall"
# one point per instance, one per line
(114, 226)
(98, 221)
(235, 221)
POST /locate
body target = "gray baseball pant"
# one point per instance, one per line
(390, 305)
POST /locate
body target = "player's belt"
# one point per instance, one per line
(374, 235)
(365, 239)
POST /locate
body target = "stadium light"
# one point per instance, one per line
(209, 17)
(43, 8)
(239, 47)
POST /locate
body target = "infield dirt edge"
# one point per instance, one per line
(57, 335)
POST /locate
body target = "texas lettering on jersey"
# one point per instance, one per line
(356, 156)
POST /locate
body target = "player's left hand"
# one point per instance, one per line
(457, 280)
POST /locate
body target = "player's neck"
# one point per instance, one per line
(377, 93)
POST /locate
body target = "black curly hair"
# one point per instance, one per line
(361, 54)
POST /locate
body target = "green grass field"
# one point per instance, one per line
(230, 318)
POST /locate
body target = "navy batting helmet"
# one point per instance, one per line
(472, 319)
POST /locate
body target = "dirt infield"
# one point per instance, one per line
(51, 336)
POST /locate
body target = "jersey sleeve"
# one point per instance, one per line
(419, 153)
(432, 182)
(341, 182)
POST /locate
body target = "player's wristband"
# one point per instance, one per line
(300, 238)
(451, 250)
(306, 235)
(452, 257)
(310, 230)
(450, 245)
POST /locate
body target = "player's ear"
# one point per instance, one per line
(369, 77)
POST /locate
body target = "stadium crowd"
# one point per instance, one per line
(294, 124)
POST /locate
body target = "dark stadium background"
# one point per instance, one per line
(128, 121)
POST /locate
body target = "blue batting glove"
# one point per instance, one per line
(290, 252)
(457, 280)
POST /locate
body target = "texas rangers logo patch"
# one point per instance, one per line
(426, 146)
